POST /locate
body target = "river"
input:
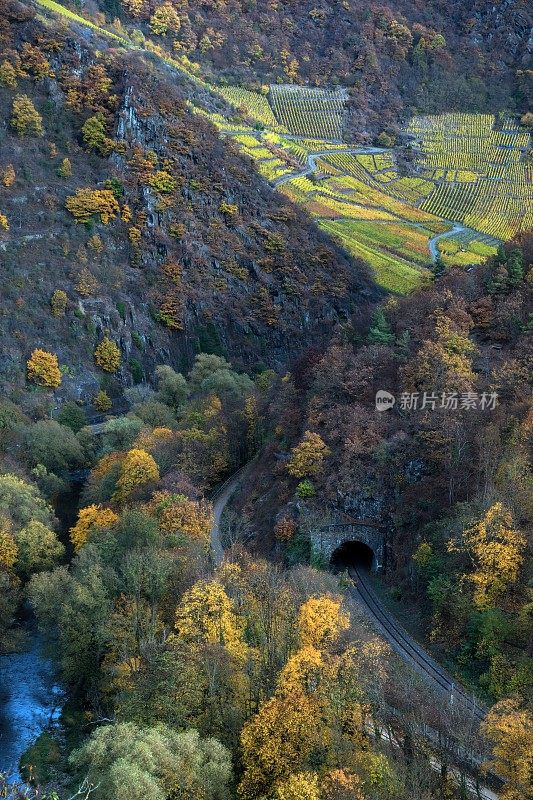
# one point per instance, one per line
(29, 701)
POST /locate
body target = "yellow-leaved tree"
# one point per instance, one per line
(137, 469)
(321, 621)
(497, 552)
(43, 369)
(8, 545)
(207, 615)
(89, 518)
(300, 786)
(177, 514)
(107, 355)
(508, 725)
(308, 457)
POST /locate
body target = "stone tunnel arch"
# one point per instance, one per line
(329, 538)
(353, 552)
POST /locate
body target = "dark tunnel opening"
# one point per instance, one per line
(352, 554)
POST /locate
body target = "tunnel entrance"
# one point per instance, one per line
(350, 554)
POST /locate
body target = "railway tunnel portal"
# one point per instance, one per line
(361, 542)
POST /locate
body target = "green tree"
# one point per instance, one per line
(38, 548)
(126, 762)
(72, 416)
(53, 445)
(21, 502)
(172, 389)
(380, 331)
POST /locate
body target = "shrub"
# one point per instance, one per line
(72, 416)
(8, 178)
(305, 489)
(4, 224)
(88, 203)
(102, 402)
(8, 75)
(136, 370)
(107, 355)
(65, 168)
(115, 186)
(94, 132)
(43, 369)
(228, 209)
(58, 302)
(25, 118)
(162, 182)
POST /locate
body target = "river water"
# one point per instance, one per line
(29, 701)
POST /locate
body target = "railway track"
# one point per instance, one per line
(409, 650)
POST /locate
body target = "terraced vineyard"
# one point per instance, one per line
(313, 113)
(481, 173)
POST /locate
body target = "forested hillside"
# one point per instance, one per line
(393, 57)
(265, 349)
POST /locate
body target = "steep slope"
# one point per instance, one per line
(197, 253)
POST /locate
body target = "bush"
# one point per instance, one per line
(102, 402)
(107, 355)
(86, 204)
(25, 118)
(8, 75)
(58, 302)
(4, 224)
(72, 416)
(43, 369)
(305, 489)
(65, 168)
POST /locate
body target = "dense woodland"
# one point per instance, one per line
(150, 275)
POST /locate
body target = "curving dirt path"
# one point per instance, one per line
(220, 499)
(311, 167)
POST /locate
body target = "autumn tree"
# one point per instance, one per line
(89, 519)
(321, 621)
(179, 515)
(25, 118)
(88, 203)
(308, 457)
(8, 545)
(65, 168)
(58, 302)
(164, 19)
(43, 369)
(299, 786)
(102, 402)
(137, 469)
(94, 132)
(107, 355)
(206, 615)
(508, 726)
(8, 177)
(497, 552)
